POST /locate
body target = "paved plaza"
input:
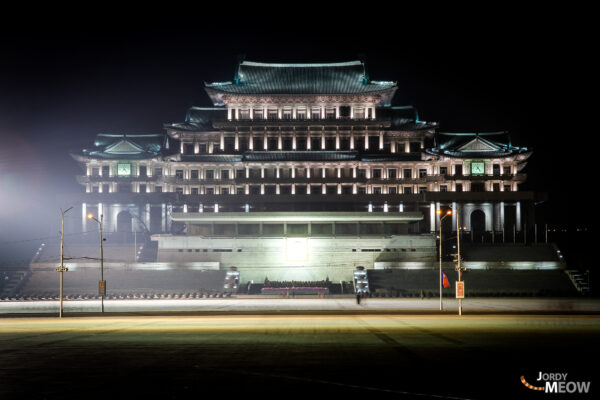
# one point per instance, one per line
(300, 304)
(292, 356)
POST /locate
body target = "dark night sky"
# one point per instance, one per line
(62, 84)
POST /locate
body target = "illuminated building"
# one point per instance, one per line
(314, 150)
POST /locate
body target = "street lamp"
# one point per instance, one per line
(62, 267)
(102, 283)
(439, 212)
(460, 285)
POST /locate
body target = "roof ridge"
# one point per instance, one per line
(301, 65)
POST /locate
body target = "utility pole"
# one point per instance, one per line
(61, 269)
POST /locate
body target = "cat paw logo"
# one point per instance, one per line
(549, 382)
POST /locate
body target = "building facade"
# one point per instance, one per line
(301, 139)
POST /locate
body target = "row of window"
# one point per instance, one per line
(302, 113)
(373, 173)
(301, 189)
(300, 143)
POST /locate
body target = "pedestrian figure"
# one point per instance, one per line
(357, 297)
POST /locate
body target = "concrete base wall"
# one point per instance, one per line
(281, 258)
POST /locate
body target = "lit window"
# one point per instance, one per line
(245, 114)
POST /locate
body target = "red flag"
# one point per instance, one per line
(446, 283)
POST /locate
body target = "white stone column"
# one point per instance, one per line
(237, 142)
(501, 215)
(367, 141)
(352, 141)
(432, 217)
(455, 212)
(489, 217)
(518, 216)
(147, 216)
(83, 217)
(380, 140)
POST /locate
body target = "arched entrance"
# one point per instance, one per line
(478, 225)
(124, 222)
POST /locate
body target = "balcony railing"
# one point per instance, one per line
(82, 179)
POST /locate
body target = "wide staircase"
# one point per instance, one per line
(82, 283)
(483, 283)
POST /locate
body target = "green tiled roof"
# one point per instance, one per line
(121, 146)
(476, 145)
(332, 78)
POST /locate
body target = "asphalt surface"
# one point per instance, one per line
(346, 356)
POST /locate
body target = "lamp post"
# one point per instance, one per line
(439, 212)
(102, 283)
(62, 267)
(459, 267)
